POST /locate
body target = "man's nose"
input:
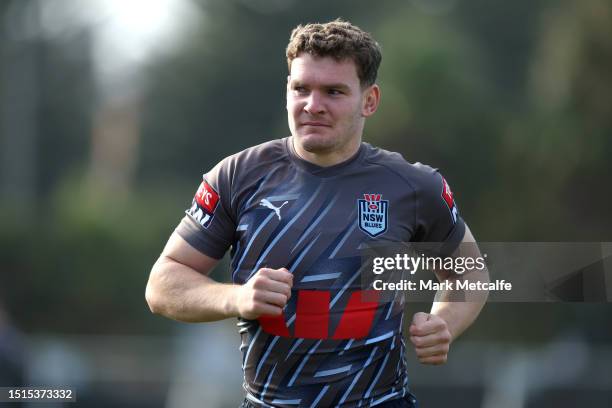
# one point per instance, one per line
(314, 104)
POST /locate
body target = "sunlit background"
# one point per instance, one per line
(111, 110)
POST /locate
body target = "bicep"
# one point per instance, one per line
(468, 237)
(178, 250)
(467, 248)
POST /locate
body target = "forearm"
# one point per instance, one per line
(460, 313)
(178, 292)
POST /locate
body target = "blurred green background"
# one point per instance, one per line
(111, 110)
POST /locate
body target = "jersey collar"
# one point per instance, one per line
(321, 171)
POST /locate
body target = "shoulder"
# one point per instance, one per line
(272, 150)
(257, 156)
(417, 175)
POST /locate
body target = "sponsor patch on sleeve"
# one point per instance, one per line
(204, 204)
(447, 195)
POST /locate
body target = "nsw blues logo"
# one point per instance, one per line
(373, 214)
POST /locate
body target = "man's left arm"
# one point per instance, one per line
(432, 333)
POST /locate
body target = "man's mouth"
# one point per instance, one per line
(319, 124)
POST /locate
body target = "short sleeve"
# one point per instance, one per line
(438, 218)
(209, 224)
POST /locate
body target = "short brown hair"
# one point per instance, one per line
(340, 40)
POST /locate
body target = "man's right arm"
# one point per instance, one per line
(179, 288)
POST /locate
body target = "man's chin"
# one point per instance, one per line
(315, 143)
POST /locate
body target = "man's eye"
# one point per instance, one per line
(334, 92)
(299, 90)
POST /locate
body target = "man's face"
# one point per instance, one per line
(326, 106)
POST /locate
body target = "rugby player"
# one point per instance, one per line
(295, 212)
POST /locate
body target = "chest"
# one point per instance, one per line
(301, 222)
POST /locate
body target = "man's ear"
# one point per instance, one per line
(371, 100)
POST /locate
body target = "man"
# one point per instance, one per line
(295, 213)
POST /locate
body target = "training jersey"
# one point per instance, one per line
(331, 346)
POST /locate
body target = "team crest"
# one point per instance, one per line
(373, 214)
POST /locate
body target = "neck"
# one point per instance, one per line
(327, 159)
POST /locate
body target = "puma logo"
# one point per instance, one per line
(271, 206)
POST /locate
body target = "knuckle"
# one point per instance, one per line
(257, 281)
(256, 296)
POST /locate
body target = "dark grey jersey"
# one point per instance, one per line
(331, 347)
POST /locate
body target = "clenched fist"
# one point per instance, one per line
(266, 293)
(431, 338)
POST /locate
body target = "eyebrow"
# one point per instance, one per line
(338, 85)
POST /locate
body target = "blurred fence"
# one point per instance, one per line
(200, 367)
